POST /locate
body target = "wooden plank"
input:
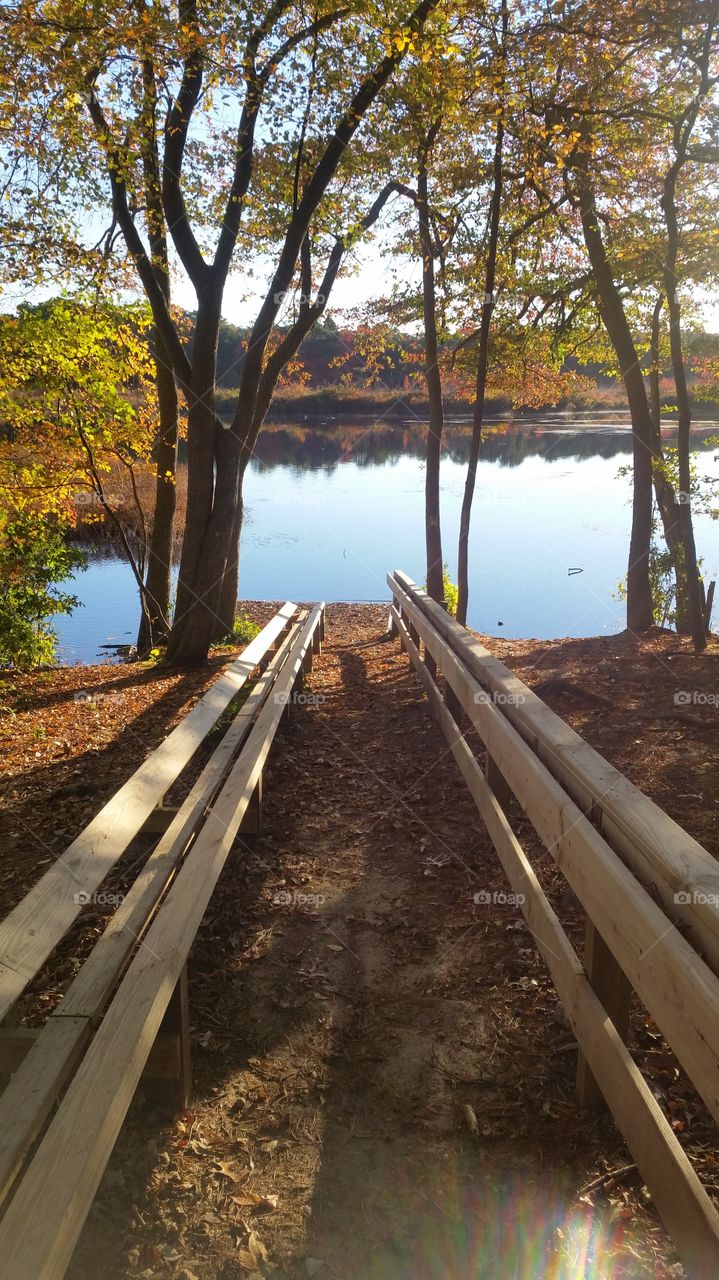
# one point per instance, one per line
(14, 1045)
(93, 984)
(658, 850)
(681, 1201)
(27, 1103)
(676, 986)
(38, 922)
(23, 1107)
(44, 1219)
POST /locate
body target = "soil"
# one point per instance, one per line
(384, 1077)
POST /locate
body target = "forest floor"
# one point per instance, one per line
(384, 1077)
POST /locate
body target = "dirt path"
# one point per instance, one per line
(384, 1077)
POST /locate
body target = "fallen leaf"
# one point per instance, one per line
(470, 1116)
(261, 1204)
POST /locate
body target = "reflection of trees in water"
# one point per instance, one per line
(323, 448)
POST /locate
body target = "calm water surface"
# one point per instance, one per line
(333, 506)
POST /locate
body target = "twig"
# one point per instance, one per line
(607, 1179)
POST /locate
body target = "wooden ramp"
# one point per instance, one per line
(619, 853)
(650, 894)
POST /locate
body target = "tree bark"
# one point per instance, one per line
(156, 609)
(201, 565)
(691, 569)
(663, 489)
(433, 377)
(229, 591)
(159, 556)
(640, 607)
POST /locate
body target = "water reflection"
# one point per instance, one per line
(549, 499)
(507, 443)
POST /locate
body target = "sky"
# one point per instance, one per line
(373, 278)
(371, 274)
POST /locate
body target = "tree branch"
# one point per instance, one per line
(312, 312)
(176, 131)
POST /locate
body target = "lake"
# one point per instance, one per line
(333, 505)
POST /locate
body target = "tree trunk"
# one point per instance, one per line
(201, 566)
(156, 606)
(640, 607)
(433, 378)
(663, 489)
(482, 360)
(229, 590)
(159, 562)
(691, 568)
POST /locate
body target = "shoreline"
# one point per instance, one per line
(394, 405)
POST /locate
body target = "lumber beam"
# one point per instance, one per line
(32, 930)
(30, 1095)
(662, 855)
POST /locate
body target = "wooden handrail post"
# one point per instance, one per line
(615, 993)
(497, 782)
(175, 1026)
(453, 704)
(251, 824)
(413, 635)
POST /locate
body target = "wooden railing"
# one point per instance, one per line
(612, 844)
(97, 1043)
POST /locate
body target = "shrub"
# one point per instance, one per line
(34, 557)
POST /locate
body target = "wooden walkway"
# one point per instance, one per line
(648, 890)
